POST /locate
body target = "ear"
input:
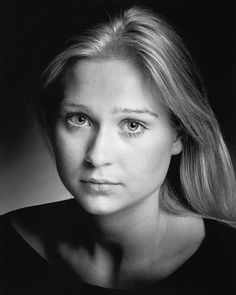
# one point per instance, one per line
(177, 144)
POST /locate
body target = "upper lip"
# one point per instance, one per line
(98, 181)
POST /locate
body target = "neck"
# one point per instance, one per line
(134, 230)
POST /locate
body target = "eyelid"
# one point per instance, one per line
(70, 115)
(142, 127)
(142, 123)
(74, 113)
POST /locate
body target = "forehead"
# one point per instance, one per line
(106, 81)
(103, 72)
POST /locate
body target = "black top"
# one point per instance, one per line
(210, 270)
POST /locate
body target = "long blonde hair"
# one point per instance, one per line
(206, 176)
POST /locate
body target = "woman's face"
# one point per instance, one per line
(112, 140)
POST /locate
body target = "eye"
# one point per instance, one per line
(77, 120)
(133, 128)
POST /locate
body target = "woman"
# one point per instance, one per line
(137, 145)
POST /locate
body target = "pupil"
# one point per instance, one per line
(81, 119)
(133, 125)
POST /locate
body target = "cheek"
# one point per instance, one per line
(69, 153)
(151, 160)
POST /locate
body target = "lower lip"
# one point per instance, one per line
(98, 187)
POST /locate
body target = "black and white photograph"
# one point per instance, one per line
(117, 147)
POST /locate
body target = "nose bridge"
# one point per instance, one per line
(99, 148)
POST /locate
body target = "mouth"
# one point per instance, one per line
(98, 185)
(98, 181)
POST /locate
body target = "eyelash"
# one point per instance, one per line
(132, 134)
(73, 126)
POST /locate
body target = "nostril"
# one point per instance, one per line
(89, 161)
(95, 161)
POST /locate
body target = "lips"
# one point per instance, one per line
(98, 181)
(93, 185)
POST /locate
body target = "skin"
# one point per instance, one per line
(112, 129)
(132, 150)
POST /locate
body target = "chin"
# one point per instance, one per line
(98, 205)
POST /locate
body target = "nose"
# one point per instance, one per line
(100, 149)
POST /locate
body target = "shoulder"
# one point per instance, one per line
(36, 217)
(37, 210)
(221, 240)
(220, 234)
(22, 269)
(217, 254)
(34, 224)
(212, 267)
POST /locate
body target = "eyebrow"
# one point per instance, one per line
(116, 110)
(137, 111)
(75, 105)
